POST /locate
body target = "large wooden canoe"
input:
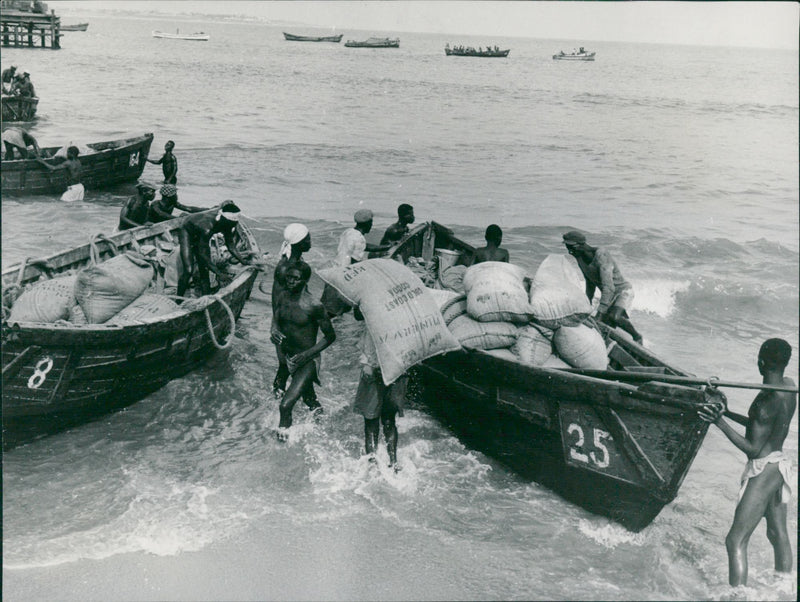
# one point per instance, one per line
(19, 108)
(293, 38)
(60, 375)
(374, 43)
(75, 27)
(488, 53)
(616, 449)
(109, 163)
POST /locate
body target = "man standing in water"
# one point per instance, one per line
(299, 317)
(600, 270)
(766, 482)
(378, 403)
(296, 241)
(169, 164)
(75, 190)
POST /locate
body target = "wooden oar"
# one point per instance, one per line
(680, 380)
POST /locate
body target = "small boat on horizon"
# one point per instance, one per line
(374, 43)
(580, 55)
(198, 36)
(75, 27)
(293, 38)
(488, 52)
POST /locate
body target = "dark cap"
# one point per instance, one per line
(573, 237)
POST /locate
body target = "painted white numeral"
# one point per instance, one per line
(573, 451)
(43, 366)
(599, 435)
(600, 460)
(134, 159)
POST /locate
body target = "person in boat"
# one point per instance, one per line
(168, 163)
(8, 78)
(766, 484)
(195, 236)
(24, 87)
(161, 210)
(395, 233)
(492, 250)
(134, 212)
(600, 270)
(296, 241)
(299, 318)
(378, 403)
(18, 139)
(72, 165)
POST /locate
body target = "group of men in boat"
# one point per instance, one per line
(17, 83)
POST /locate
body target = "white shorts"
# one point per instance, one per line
(73, 193)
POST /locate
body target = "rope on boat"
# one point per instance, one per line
(227, 309)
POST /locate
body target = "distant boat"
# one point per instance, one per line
(374, 43)
(75, 27)
(19, 108)
(293, 38)
(581, 55)
(198, 36)
(470, 51)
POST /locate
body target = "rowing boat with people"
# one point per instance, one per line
(103, 164)
(616, 441)
(58, 374)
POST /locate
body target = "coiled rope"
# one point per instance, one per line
(210, 326)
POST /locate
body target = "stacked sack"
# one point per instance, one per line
(550, 326)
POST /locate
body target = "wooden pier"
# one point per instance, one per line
(22, 29)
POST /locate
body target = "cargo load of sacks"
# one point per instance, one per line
(544, 321)
(114, 292)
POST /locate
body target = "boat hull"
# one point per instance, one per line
(293, 38)
(76, 27)
(56, 377)
(574, 57)
(192, 37)
(615, 449)
(387, 43)
(114, 162)
(487, 55)
(19, 108)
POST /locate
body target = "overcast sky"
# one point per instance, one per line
(727, 23)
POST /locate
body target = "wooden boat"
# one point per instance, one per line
(19, 108)
(469, 51)
(75, 27)
(374, 43)
(580, 55)
(57, 376)
(615, 448)
(293, 38)
(109, 163)
(197, 36)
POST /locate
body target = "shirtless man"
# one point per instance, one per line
(168, 163)
(298, 319)
(134, 213)
(195, 235)
(600, 270)
(161, 210)
(395, 233)
(492, 250)
(296, 241)
(72, 165)
(766, 482)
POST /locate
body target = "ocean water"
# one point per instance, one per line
(683, 161)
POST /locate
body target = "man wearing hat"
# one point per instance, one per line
(23, 86)
(195, 235)
(353, 245)
(161, 210)
(134, 212)
(600, 270)
(296, 241)
(168, 163)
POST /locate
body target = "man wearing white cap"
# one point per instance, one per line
(296, 241)
(195, 235)
(353, 247)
